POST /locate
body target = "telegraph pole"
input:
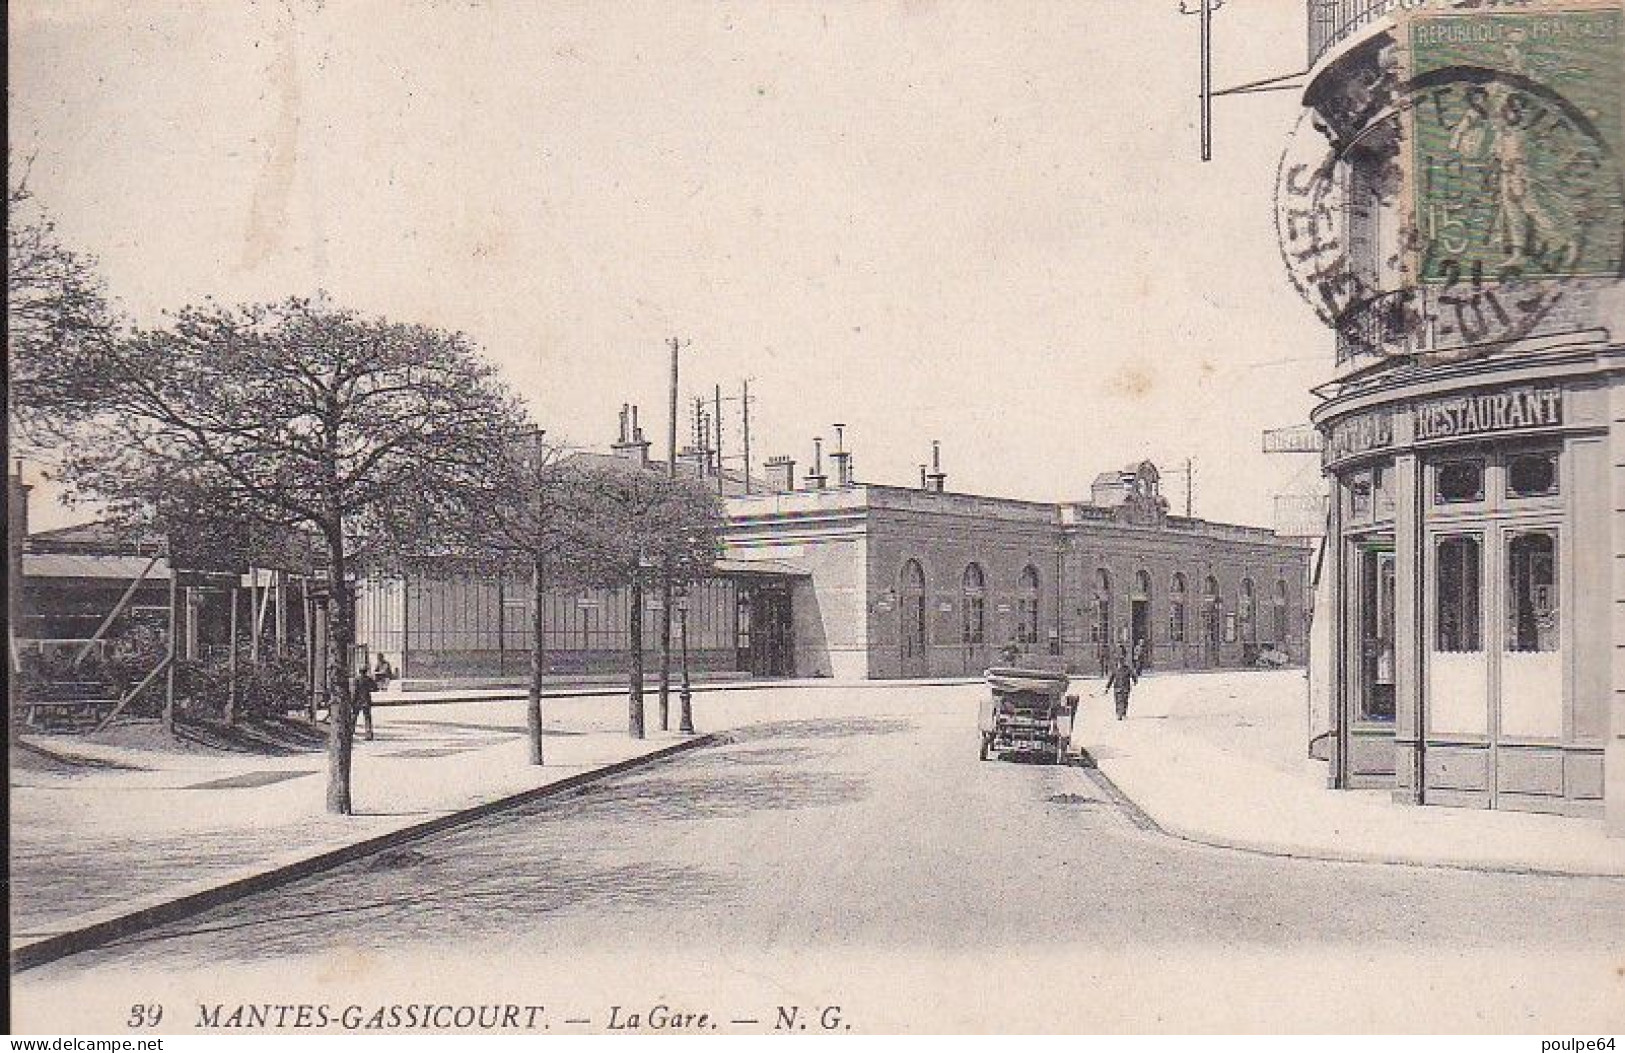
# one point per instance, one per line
(744, 401)
(1281, 82)
(1205, 9)
(676, 346)
(716, 412)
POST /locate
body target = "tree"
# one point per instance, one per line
(295, 415)
(630, 527)
(517, 518)
(56, 308)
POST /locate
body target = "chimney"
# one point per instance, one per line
(781, 474)
(816, 479)
(923, 484)
(937, 480)
(692, 460)
(632, 445)
(842, 459)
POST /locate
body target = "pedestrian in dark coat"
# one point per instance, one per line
(1120, 681)
(363, 688)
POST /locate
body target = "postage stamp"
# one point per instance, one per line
(1511, 126)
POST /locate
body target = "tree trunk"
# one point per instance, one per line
(634, 695)
(538, 662)
(341, 642)
(231, 662)
(174, 646)
(665, 650)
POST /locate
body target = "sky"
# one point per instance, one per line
(984, 223)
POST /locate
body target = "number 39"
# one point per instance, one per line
(145, 1015)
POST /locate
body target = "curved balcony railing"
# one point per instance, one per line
(1333, 21)
(1385, 325)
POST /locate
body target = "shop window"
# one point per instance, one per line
(1458, 481)
(1459, 589)
(1532, 592)
(1532, 474)
(1027, 607)
(1375, 620)
(974, 629)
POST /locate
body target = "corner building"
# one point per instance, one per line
(1468, 252)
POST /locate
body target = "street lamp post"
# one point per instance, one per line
(685, 696)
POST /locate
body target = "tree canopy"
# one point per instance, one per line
(296, 415)
(56, 308)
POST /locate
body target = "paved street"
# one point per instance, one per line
(871, 862)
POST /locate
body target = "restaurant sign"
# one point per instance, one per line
(1511, 410)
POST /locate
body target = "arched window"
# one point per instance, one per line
(1027, 607)
(1247, 611)
(1142, 585)
(1212, 616)
(1100, 629)
(974, 629)
(1176, 609)
(911, 604)
(1279, 619)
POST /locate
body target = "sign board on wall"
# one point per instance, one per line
(1511, 410)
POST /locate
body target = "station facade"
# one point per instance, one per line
(1474, 424)
(826, 576)
(904, 582)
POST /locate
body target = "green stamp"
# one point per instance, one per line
(1517, 126)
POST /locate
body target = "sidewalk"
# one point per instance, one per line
(104, 832)
(1220, 760)
(128, 829)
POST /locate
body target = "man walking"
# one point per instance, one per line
(1120, 681)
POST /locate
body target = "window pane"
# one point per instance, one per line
(1532, 593)
(1456, 481)
(1532, 474)
(1360, 496)
(1383, 486)
(1458, 593)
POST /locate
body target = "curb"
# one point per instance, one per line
(98, 933)
(405, 698)
(1142, 819)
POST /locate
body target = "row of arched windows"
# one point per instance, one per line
(1178, 598)
(973, 611)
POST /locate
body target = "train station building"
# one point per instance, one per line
(826, 576)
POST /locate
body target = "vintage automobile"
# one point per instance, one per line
(1027, 711)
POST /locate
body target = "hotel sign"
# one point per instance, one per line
(1353, 436)
(1512, 410)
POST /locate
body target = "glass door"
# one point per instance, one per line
(1530, 694)
(1458, 669)
(1495, 658)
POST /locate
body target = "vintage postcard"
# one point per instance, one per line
(891, 516)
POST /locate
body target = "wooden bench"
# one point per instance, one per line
(70, 705)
